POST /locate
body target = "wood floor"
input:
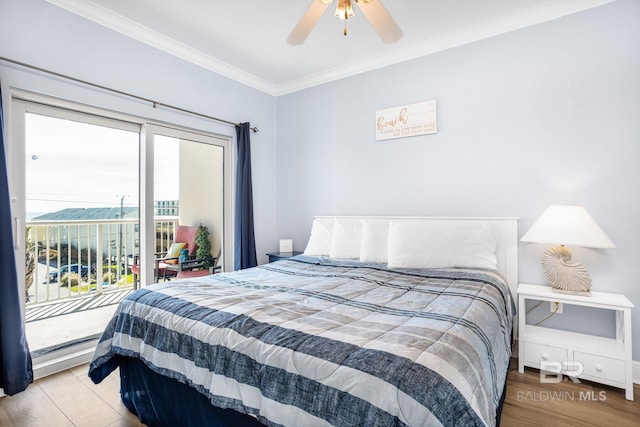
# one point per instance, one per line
(68, 398)
(71, 399)
(530, 403)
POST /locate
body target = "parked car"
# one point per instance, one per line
(84, 271)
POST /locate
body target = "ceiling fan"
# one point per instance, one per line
(382, 22)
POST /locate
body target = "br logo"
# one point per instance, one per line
(554, 372)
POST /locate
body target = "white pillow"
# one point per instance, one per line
(375, 238)
(439, 244)
(320, 240)
(347, 235)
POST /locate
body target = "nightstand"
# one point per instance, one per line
(602, 360)
(277, 256)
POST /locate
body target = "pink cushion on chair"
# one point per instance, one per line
(182, 234)
(187, 274)
(187, 234)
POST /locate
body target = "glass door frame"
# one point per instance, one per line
(147, 230)
(16, 168)
(23, 101)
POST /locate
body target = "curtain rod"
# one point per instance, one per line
(155, 104)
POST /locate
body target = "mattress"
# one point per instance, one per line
(315, 341)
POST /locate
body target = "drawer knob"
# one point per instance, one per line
(545, 356)
(598, 367)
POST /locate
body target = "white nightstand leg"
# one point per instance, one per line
(626, 324)
(619, 325)
(522, 319)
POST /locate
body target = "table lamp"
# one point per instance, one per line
(566, 225)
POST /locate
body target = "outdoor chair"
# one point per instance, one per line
(167, 264)
(196, 267)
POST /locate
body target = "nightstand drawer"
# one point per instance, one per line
(601, 367)
(536, 353)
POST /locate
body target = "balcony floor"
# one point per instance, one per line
(54, 325)
(59, 308)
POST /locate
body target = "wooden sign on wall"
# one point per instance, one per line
(407, 120)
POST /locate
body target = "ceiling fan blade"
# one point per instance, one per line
(308, 21)
(380, 20)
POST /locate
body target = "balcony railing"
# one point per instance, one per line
(74, 258)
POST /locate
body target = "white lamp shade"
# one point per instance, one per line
(567, 225)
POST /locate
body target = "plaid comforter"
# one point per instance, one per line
(310, 341)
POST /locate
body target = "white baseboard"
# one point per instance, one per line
(58, 361)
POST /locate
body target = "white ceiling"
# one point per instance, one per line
(246, 39)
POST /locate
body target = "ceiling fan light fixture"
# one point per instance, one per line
(344, 10)
(373, 10)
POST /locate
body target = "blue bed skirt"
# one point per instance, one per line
(160, 401)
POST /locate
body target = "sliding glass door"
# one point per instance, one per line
(95, 197)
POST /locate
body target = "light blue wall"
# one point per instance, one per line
(546, 115)
(40, 34)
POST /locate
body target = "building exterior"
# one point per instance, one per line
(167, 207)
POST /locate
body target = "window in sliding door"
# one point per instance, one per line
(94, 195)
(188, 189)
(78, 201)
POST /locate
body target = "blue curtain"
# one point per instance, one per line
(15, 360)
(245, 243)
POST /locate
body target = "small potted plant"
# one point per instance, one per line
(204, 246)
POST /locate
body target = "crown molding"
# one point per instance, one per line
(546, 11)
(136, 31)
(542, 12)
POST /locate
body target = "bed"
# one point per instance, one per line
(390, 321)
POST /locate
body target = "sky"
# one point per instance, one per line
(71, 164)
